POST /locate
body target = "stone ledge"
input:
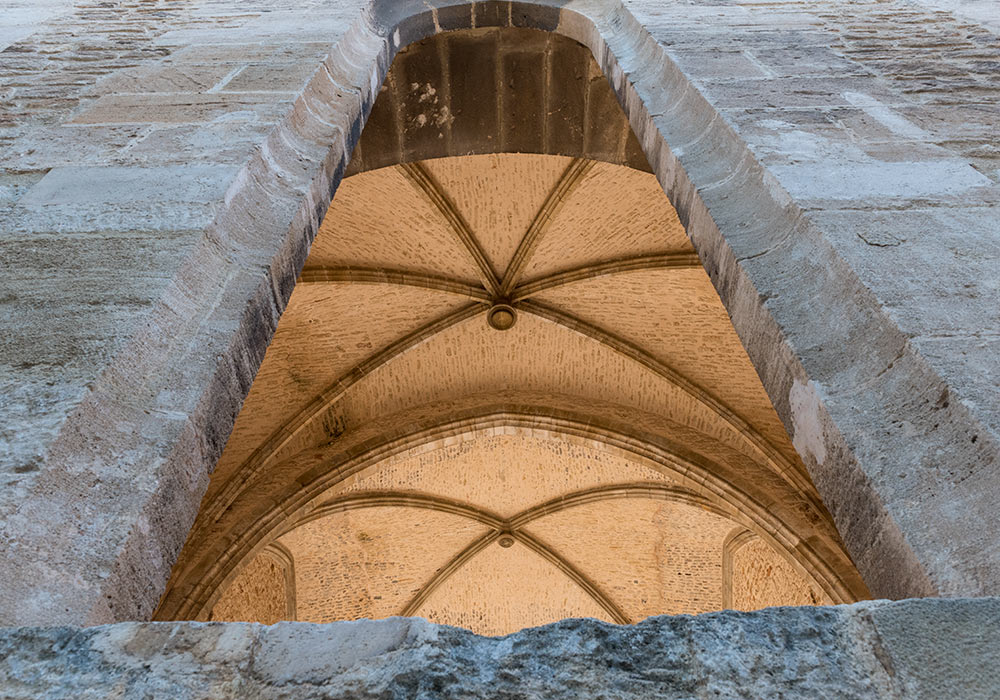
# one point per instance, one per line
(911, 648)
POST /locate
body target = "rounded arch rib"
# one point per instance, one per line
(219, 565)
(513, 526)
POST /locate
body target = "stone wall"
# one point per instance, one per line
(910, 649)
(119, 144)
(258, 593)
(875, 122)
(495, 90)
(760, 578)
(663, 558)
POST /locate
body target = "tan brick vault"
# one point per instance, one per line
(510, 526)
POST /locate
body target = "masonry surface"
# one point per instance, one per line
(166, 165)
(910, 649)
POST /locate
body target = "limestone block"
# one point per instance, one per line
(167, 108)
(116, 186)
(920, 648)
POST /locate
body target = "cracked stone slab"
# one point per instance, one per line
(913, 648)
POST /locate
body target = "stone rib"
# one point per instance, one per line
(781, 465)
(288, 430)
(406, 278)
(666, 261)
(424, 182)
(567, 182)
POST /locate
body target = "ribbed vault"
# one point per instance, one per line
(507, 378)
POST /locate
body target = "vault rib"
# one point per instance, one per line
(781, 465)
(327, 397)
(736, 538)
(368, 275)
(566, 183)
(497, 527)
(514, 526)
(667, 261)
(400, 499)
(575, 575)
(447, 571)
(283, 556)
(597, 494)
(424, 182)
(275, 522)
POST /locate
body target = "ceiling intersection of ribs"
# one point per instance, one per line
(552, 282)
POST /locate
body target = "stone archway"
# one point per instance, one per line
(761, 251)
(769, 265)
(257, 522)
(397, 299)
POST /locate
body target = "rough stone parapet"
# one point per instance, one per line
(915, 648)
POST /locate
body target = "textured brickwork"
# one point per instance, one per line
(760, 579)
(649, 557)
(654, 558)
(504, 590)
(506, 473)
(257, 594)
(370, 563)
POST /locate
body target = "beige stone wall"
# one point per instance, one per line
(650, 557)
(502, 591)
(257, 594)
(761, 578)
(653, 558)
(505, 473)
(370, 563)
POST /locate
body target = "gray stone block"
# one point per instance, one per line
(921, 648)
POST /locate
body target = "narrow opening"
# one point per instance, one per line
(504, 391)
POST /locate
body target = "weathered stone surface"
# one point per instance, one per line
(910, 649)
(113, 234)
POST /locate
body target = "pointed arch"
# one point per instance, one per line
(222, 552)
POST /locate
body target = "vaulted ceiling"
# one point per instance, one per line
(505, 391)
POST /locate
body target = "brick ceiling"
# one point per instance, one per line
(496, 527)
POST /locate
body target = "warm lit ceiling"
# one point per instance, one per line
(507, 517)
